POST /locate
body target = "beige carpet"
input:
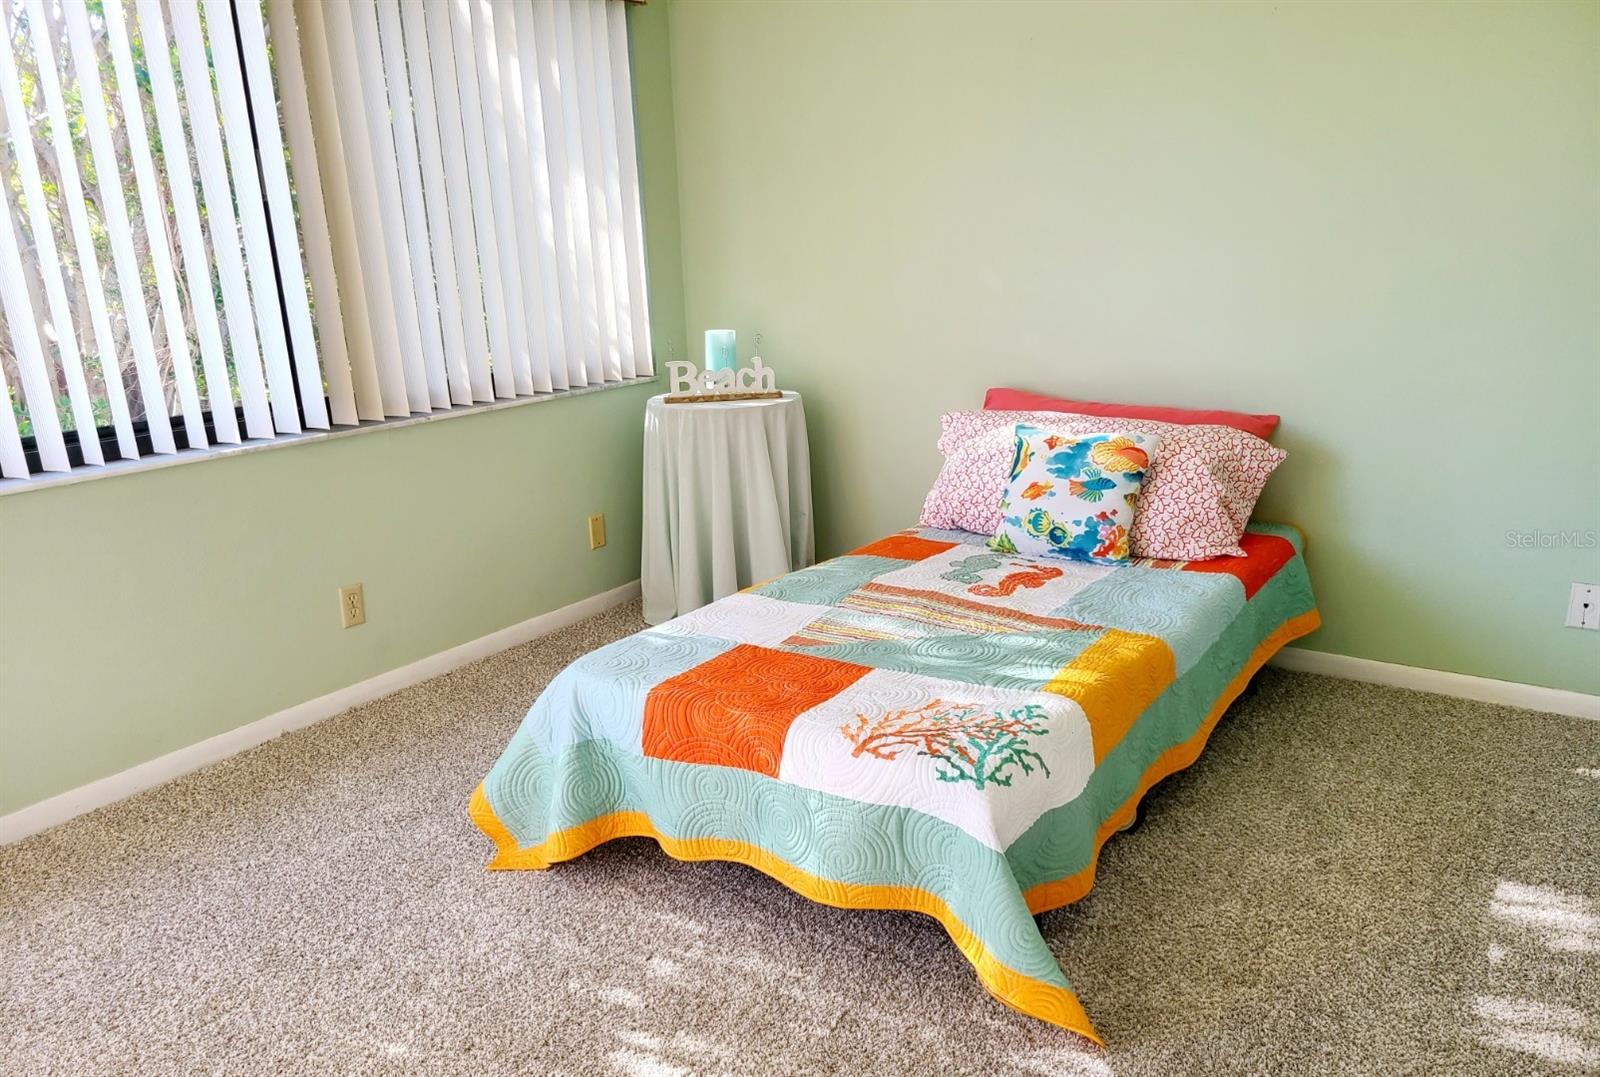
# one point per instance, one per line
(1352, 880)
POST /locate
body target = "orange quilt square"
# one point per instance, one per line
(904, 548)
(734, 710)
(1263, 556)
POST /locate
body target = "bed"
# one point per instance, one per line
(921, 724)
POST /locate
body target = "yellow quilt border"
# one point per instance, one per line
(1029, 996)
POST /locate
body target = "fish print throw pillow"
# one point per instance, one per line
(1073, 495)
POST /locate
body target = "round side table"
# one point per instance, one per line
(727, 499)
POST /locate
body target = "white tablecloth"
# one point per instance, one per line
(727, 499)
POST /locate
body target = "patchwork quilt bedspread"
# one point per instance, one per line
(921, 724)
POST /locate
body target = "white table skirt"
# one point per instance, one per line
(727, 499)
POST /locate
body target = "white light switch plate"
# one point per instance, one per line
(1583, 608)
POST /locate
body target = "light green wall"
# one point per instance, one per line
(1380, 220)
(143, 613)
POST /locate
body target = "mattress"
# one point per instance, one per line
(921, 724)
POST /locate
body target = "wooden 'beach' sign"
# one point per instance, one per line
(688, 384)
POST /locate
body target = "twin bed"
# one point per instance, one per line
(921, 724)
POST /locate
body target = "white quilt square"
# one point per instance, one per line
(747, 618)
(988, 760)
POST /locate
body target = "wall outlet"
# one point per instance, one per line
(1583, 608)
(597, 531)
(352, 606)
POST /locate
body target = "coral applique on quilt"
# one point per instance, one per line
(966, 741)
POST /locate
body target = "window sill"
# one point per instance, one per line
(49, 479)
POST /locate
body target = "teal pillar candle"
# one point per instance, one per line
(719, 350)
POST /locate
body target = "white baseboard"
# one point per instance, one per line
(1483, 689)
(97, 794)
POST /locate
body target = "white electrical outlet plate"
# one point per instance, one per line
(352, 606)
(1583, 608)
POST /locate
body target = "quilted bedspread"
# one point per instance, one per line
(921, 724)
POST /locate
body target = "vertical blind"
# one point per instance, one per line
(227, 219)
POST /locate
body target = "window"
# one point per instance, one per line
(212, 233)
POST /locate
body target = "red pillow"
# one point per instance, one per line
(997, 399)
